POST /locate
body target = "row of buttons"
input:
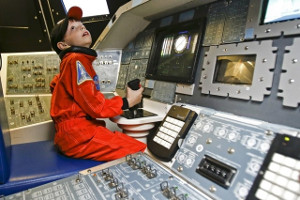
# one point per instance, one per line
(174, 121)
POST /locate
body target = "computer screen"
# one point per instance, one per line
(281, 10)
(235, 69)
(174, 52)
(89, 8)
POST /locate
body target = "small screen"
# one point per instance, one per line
(235, 69)
(281, 10)
(89, 7)
(174, 54)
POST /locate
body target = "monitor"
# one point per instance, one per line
(90, 8)
(174, 53)
(234, 69)
(280, 10)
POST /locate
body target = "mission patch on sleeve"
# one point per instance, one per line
(82, 75)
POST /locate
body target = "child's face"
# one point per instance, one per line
(77, 35)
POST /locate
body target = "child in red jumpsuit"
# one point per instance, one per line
(77, 100)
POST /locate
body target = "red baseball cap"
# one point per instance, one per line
(75, 13)
(60, 29)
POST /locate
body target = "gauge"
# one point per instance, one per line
(180, 43)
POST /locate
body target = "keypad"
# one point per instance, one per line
(168, 132)
(281, 179)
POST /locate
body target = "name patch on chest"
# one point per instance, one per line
(82, 75)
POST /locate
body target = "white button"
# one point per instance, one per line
(169, 132)
(170, 140)
(180, 123)
(167, 145)
(160, 134)
(243, 192)
(164, 136)
(198, 125)
(295, 175)
(173, 134)
(270, 176)
(274, 167)
(272, 197)
(162, 129)
(177, 128)
(168, 119)
(158, 140)
(189, 162)
(290, 162)
(288, 195)
(167, 125)
(206, 127)
(251, 142)
(293, 186)
(265, 146)
(181, 158)
(277, 157)
(155, 139)
(232, 136)
(261, 194)
(221, 132)
(282, 181)
(199, 148)
(173, 121)
(171, 127)
(285, 171)
(162, 142)
(266, 185)
(277, 190)
(297, 167)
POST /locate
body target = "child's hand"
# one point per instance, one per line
(134, 96)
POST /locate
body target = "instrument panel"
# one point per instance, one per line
(135, 177)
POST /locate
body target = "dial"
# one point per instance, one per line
(180, 43)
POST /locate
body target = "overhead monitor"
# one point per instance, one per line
(235, 69)
(90, 8)
(174, 53)
(281, 10)
(272, 18)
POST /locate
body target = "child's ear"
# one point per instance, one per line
(62, 45)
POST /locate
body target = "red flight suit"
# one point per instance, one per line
(76, 102)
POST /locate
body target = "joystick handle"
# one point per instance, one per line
(134, 84)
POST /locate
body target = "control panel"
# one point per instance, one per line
(222, 156)
(135, 177)
(135, 59)
(226, 22)
(23, 111)
(31, 74)
(107, 66)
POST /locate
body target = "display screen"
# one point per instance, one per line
(89, 8)
(281, 10)
(235, 69)
(173, 56)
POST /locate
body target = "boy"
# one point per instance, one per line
(77, 100)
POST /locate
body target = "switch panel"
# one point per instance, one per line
(31, 74)
(23, 111)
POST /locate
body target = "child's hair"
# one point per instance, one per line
(59, 30)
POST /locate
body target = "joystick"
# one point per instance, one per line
(133, 111)
(134, 84)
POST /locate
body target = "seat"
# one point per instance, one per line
(28, 165)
